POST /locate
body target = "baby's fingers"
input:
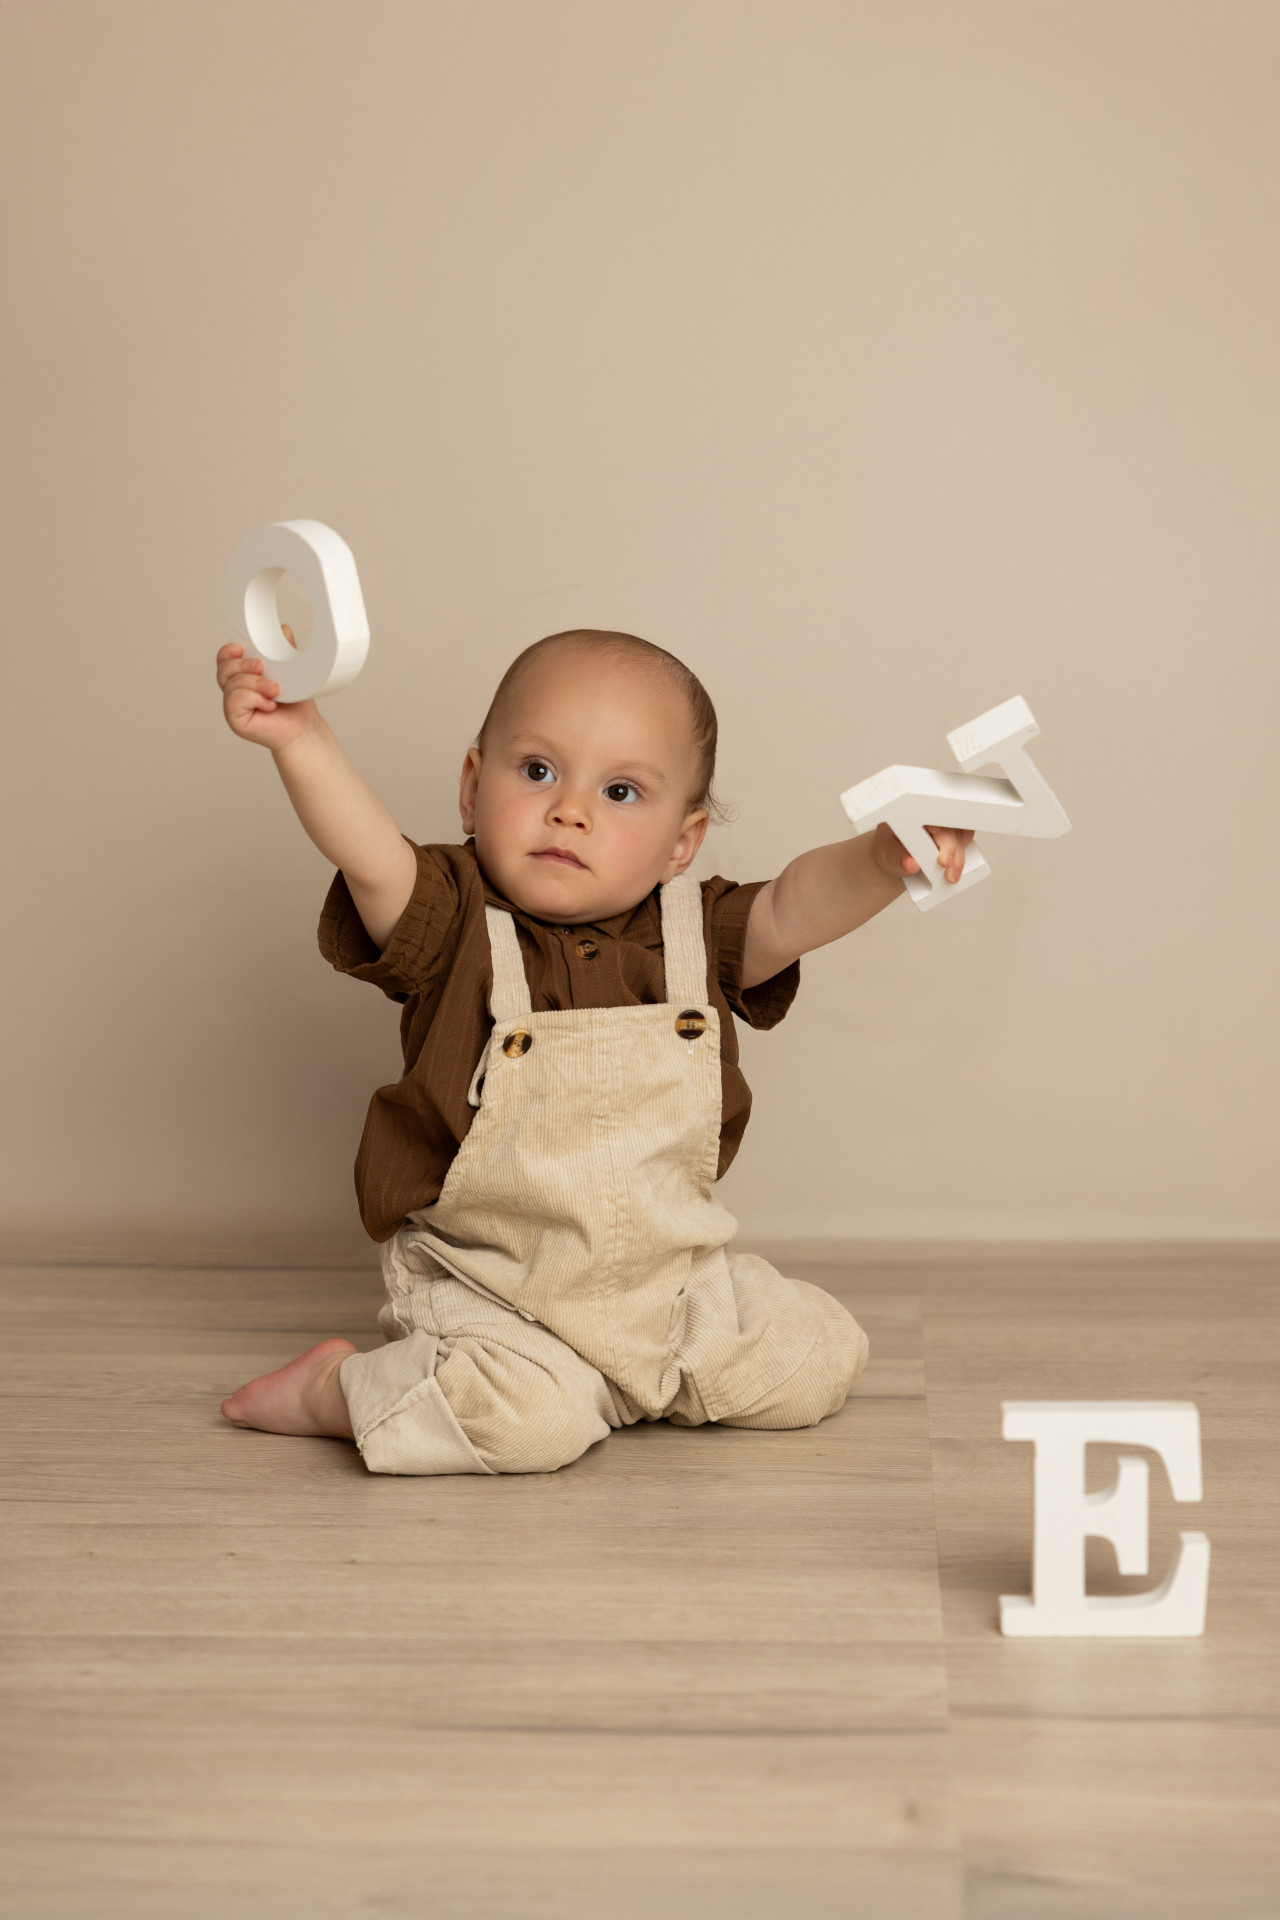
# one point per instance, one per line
(231, 666)
(230, 661)
(245, 701)
(951, 843)
(252, 682)
(890, 852)
(268, 689)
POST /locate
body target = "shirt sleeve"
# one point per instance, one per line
(727, 907)
(417, 943)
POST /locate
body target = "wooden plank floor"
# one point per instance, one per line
(708, 1673)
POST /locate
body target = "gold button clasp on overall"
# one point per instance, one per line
(690, 1023)
(587, 949)
(517, 1043)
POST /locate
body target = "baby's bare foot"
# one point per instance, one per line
(304, 1397)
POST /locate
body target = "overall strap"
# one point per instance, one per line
(510, 988)
(683, 948)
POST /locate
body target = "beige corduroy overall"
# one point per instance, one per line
(572, 1276)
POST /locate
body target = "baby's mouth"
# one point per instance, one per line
(560, 856)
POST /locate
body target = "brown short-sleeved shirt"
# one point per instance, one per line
(437, 963)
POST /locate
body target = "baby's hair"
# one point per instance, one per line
(600, 642)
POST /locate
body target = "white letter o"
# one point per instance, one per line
(326, 567)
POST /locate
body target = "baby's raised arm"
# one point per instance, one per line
(338, 808)
(825, 894)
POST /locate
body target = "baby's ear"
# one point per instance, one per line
(685, 851)
(695, 826)
(467, 787)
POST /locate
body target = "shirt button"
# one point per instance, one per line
(587, 949)
(691, 1023)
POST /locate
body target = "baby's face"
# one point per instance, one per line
(579, 801)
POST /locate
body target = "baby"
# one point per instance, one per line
(541, 1180)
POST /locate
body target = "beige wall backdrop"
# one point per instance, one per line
(883, 360)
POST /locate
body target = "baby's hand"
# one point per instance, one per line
(249, 702)
(893, 858)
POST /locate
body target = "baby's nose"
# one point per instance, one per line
(570, 810)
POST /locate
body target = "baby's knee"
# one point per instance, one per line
(820, 1384)
(520, 1416)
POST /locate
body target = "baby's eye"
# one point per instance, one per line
(622, 791)
(538, 771)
